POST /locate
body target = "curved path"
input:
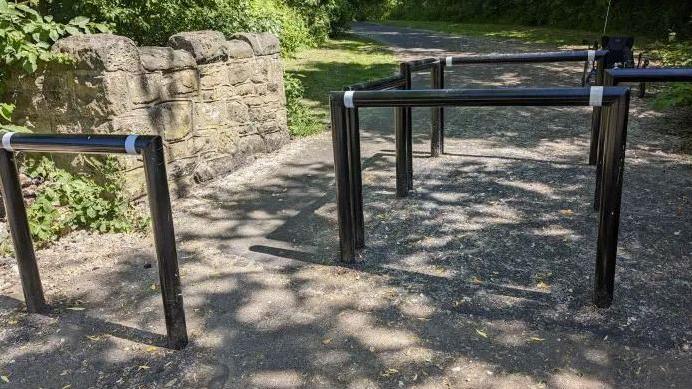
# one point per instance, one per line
(482, 278)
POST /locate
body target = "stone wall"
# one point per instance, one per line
(216, 102)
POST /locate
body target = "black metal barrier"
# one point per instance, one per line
(403, 115)
(151, 149)
(586, 56)
(614, 77)
(347, 161)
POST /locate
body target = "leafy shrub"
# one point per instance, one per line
(302, 121)
(25, 41)
(654, 18)
(299, 23)
(678, 54)
(70, 201)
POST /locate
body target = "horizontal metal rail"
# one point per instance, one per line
(555, 56)
(421, 64)
(587, 56)
(393, 82)
(347, 163)
(151, 149)
(479, 97)
(650, 75)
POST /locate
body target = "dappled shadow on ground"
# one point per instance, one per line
(481, 278)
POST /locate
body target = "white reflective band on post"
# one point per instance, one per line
(130, 144)
(449, 61)
(6, 141)
(596, 96)
(348, 99)
(592, 55)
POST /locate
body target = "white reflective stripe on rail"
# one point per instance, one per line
(449, 61)
(591, 55)
(7, 141)
(130, 144)
(348, 99)
(596, 96)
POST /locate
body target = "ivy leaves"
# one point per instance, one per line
(68, 201)
(26, 36)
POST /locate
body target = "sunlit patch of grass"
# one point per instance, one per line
(338, 63)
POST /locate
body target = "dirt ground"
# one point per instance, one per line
(481, 279)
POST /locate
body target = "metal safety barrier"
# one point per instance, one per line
(151, 150)
(586, 56)
(614, 77)
(347, 161)
(403, 115)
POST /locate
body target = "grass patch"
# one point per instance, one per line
(338, 63)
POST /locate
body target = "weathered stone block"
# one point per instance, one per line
(203, 45)
(210, 115)
(245, 89)
(236, 49)
(173, 119)
(165, 58)
(238, 112)
(239, 72)
(139, 121)
(262, 43)
(101, 94)
(213, 76)
(179, 84)
(144, 88)
(101, 52)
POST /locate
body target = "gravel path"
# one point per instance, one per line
(481, 279)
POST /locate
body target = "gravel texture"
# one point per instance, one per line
(482, 278)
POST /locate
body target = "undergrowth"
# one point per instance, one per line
(69, 201)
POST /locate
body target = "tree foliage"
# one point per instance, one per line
(298, 23)
(655, 18)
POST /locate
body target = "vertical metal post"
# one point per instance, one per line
(356, 176)
(406, 72)
(437, 125)
(164, 239)
(344, 207)
(21, 236)
(609, 217)
(400, 147)
(596, 116)
(606, 117)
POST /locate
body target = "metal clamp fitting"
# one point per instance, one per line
(7, 141)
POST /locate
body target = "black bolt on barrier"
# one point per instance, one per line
(587, 56)
(151, 149)
(614, 77)
(617, 98)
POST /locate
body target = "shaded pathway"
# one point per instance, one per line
(480, 279)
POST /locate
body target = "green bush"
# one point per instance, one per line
(655, 18)
(298, 23)
(69, 201)
(302, 121)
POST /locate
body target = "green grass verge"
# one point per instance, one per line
(338, 63)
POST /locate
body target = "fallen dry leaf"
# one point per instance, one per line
(542, 285)
(482, 333)
(327, 340)
(536, 339)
